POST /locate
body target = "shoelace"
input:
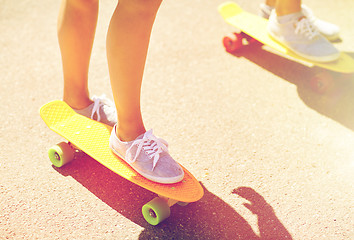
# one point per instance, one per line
(152, 145)
(306, 28)
(309, 14)
(97, 103)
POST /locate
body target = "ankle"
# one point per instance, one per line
(270, 3)
(77, 103)
(77, 99)
(129, 133)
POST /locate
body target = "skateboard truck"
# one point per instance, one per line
(237, 41)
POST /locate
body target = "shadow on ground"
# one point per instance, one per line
(209, 218)
(212, 218)
(336, 102)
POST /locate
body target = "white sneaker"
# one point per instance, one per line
(265, 10)
(148, 155)
(327, 29)
(102, 110)
(297, 33)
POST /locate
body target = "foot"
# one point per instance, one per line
(101, 110)
(149, 156)
(327, 29)
(296, 32)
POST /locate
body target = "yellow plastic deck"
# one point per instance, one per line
(92, 138)
(256, 27)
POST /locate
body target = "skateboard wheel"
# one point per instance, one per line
(233, 43)
(156, 211)
(61, 154)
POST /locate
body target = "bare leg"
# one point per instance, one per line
(76, 30)
(127, 44)
(271, 3)
(285, 7)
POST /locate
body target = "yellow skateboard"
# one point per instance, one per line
(254, 29)
(92, 138)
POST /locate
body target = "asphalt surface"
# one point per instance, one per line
(275, 158)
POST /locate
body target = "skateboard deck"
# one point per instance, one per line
(256, 27)
(92, 138)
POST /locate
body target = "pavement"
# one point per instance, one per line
(275, 158)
